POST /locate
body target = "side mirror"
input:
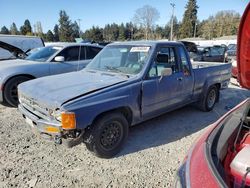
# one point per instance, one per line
(162, 58)
(59, 59)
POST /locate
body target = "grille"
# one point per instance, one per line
(34, 107)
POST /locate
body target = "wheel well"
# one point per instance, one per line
(126, 111)
(26, 75)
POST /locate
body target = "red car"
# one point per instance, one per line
(243, 50)
(221, 157)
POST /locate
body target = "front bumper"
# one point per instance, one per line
(40, 126)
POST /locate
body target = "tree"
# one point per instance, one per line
(4, 30)
(189, 20)
(122, 32)
(146, 18)
(75, 30)
(50, 36)
(13, 29)
(56, 33)
(26, 28)
(65, 27)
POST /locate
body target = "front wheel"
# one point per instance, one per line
(208, 102)
(107, 135)
(10, 90)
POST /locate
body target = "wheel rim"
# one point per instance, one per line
(13, 92)
(211, 98)
(111, 135)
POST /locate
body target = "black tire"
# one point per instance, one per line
(211, 97)
(10, 90)
(107, 135)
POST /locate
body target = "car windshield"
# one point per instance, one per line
(43, 54)
(124, 59)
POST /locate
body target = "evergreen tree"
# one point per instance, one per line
(50, 36)
(4, 30)
(26, 28)
(65, 27)
(189, 19)
(56, 33)
(122, 32)
(13, 29)
(75, 30)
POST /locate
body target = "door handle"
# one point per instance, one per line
(180, 79)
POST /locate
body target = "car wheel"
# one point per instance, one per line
(107, 135)
(10, 90)
(210, 99)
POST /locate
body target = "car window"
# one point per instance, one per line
(83, 53)
(92, 52)
(184, 62)
(171, 62)
(70, 53)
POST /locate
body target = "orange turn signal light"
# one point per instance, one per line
(68, 120)
(52, 129)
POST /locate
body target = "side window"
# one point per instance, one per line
(92, 52)
(82, 53)
(167, 61)
(70, 53)
(184, 62)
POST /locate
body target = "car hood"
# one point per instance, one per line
(53, 91)
(15, 62)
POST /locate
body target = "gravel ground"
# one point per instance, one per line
(150, 158)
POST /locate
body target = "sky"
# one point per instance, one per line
(101, 12)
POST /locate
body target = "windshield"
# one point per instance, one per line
(43, 54)
(125, 59)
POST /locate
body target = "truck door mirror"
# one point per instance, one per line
(59, 59)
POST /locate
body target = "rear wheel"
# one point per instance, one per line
(208, 102)
(10, 90)
(107, 135)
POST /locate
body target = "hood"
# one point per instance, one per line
(53, 91)
(17, 52)
(243, 49)
(15, 62)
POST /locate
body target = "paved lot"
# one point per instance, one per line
(150, 158)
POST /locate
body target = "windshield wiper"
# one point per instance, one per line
(112, 68)
(116, 70)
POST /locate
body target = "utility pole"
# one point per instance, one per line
(79, 24)
(172, 21)
(195, 25)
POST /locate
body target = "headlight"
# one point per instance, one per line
(234, 63)
(56, 114)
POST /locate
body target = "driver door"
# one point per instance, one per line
(161, 93)
(71, 61)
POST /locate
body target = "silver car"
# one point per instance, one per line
(50, 60)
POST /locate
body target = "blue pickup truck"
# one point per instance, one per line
(125, 84)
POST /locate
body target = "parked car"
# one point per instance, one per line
(243, 53)
(125, 84)
(16, 53)
(193, 51)
(220, 158)
(49, 60)
(230, 57)
(17, 46)
(214, 53)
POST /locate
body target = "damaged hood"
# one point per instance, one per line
(53, 91)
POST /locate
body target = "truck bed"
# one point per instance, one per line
(208, 73)
(203, 64)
